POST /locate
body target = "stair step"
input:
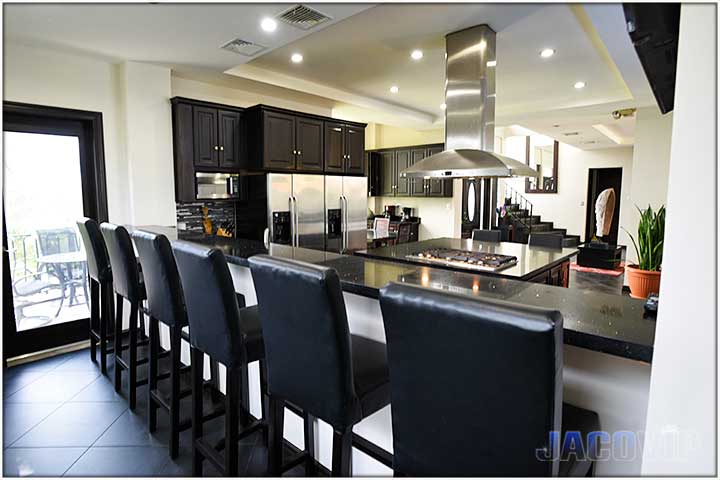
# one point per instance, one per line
(559, 231)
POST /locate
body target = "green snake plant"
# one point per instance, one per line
(649, 242)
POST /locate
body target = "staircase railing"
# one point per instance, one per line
(522, 203)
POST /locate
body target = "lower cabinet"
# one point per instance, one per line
(388, 163)
(558, 276)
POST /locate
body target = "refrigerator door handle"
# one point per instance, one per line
(342, 223)
(291, 207)
(345, 223)
(297, 223)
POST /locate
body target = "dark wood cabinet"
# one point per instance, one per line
(230, 138)
(205, 136)
(309, 144)
(390, 162)
(334, 147)
(297, 142)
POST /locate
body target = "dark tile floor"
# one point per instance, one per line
(62, 417)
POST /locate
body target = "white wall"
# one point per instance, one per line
(437, 214)
(682, 407)
(567, 208)
(46, 77)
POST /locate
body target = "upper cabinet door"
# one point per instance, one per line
(205, 136)
(278, 141)
(436, 187)
(417, 185)
(402, 161)
(229, 138)
(334, 147)
(355, 150)
(309, 144)
(386, 166)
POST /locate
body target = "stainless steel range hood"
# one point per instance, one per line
(469, 114)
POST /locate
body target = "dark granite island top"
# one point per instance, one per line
(611, 324)
(530, 260)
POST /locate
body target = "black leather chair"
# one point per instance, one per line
(128, 285)
(313, 360)
(548, 240)
(486, 235)
(101, 290)
(229, 334)
(476, 386)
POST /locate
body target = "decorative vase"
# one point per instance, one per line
(642, 282)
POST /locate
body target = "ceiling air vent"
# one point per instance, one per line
(303, 17)
(571, 134)
(243, 47)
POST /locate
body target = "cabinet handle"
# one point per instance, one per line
(294, 152)
(299, 152)
(222, 148)
(216, 147)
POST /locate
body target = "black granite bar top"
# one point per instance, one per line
(612, 324)
(531, 260)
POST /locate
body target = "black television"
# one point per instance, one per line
(653, 29)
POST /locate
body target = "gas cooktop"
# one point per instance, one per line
(463, 259)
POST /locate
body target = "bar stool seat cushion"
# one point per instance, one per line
(576, 419)
(370, 373)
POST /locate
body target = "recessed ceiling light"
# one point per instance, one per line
(443, 106)
(492, 63)
(579, 85)
(268, 24)
(556, 125)
(547, 52)
(296, 58)
(416, 54)
(394, 89)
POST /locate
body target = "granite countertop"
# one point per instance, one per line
(612, 324)
(530, 260)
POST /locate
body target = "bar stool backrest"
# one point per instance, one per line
(476, 384)
(165, 300)
(486, 235)
(307, 339)
(548, 240)
(212, 309)
(98, 262)
(126, 275)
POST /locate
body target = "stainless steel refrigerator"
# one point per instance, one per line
(317, 212)
(345, 213)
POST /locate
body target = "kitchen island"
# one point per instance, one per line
(608, 342)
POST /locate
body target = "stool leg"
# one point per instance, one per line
(196, 367)
(175, 344)
(232, 404)
(133, 356)
(106, 314)
(275, 443)
(118, 341)
(264, 397)
(215, 380)
(309, 423)
(153, 374)
(244, 396)
(342, 453)
(94, 318)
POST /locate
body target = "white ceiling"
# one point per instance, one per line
(355, 58)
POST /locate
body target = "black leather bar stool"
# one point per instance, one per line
(486, 235)
(476, 386)
(549, 240)
(166, 304)
(128, 285)
(313, 360)
(228, 334)
(101, 296)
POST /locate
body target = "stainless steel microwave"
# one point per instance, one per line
(213, 186)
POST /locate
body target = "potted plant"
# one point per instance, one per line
(644, 278)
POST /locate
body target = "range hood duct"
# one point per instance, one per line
(469, 114)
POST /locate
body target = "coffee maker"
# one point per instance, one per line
(407, 213)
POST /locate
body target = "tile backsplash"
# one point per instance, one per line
(221, 214)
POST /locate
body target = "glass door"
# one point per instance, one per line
(47, 176)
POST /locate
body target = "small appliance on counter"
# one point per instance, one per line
(407, 214)
(392, 212)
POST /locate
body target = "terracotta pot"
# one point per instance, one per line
(642, 282)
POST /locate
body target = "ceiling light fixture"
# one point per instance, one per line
(579, 85)
(547, 52)
(394, 89)
(416, 54)
(443, 106)
(296, 58)
(268, 24)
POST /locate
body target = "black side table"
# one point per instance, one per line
(600, 255)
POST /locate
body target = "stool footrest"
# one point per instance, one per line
(301, 457)
(210, 454)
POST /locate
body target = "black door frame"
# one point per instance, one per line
(592, 194)
(88, 126)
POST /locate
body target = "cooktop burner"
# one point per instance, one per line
(463, 259)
